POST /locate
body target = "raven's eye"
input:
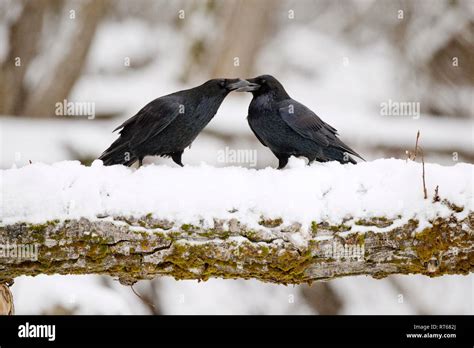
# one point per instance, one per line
(222, 83)
(263, 81)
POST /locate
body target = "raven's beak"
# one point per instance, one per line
(243, 86)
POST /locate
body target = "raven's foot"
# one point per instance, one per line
(282, 161)
(177, 158)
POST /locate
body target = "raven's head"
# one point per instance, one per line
(267, 84)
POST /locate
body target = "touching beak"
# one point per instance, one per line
(243, 86)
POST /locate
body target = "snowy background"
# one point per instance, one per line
(343, 59)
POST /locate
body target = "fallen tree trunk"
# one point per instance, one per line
(294, 226)
(143, 248)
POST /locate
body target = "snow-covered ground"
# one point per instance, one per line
(73, 294)
(323, 191)
(361, 295)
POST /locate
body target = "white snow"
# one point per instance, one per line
(217, 296)
(78, 294)
(99, 295)
(322, 192)
(416, 294)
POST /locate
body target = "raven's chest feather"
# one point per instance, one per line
(265, 119)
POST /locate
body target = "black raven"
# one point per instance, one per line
(169, 124)
(289, 128)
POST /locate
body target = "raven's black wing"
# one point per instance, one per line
(151, 119)
(148, 122)
(307, 124)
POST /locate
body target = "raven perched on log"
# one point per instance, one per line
(289, 128)
(169, 124)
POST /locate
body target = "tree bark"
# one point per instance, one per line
(247, 25)
(143, 248)
(56, 85)
(6, 300)
(24, 36)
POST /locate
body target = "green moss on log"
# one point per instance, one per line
(191, 251)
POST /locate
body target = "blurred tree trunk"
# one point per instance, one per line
(23, 38)
(242, 28)
(56, 86)
(247, 24)
(415, 304)
(56, 82)
(323, 298)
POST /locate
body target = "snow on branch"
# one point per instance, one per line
(296, 225)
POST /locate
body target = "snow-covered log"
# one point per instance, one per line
(297, 225)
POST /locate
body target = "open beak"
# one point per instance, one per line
(243, 86)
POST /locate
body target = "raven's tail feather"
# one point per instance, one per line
(343, 147)
(339, 154)
(118, 153)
